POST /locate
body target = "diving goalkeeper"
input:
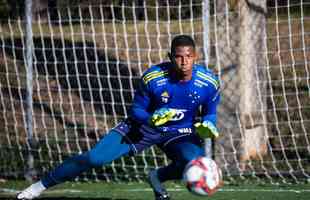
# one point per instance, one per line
(163, 113)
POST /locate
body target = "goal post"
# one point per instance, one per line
(265, 86)
(87, 59)
(208, 143)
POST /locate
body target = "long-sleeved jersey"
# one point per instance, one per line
(158, 89)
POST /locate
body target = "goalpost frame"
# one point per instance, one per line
(66, 80)
(206, 43)
(209, 144)
(30, 173)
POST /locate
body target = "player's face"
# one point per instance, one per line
(185, 57)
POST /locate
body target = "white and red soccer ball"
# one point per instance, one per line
(202, 176)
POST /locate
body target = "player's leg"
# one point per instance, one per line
(160, 192)
(105, 151)
(180, 152)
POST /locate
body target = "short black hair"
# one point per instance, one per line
(182, 40)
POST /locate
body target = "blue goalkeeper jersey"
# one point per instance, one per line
(159, 89)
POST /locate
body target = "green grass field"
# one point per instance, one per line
(141, 191)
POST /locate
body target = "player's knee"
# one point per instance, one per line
(80, 159)
(187, 159)
(192, 154)
(95, 160)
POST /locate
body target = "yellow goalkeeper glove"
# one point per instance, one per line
(206, 129)
(162, 116)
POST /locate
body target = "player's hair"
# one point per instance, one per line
(182, 40)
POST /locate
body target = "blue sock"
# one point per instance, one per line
(105, 151)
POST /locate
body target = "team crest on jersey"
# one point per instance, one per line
(194, 96)
(165, 97)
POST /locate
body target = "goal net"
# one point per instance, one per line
(88, 57)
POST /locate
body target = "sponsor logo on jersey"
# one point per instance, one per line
(165, 97)
(179, 114)
(161, 82)
(185, 130)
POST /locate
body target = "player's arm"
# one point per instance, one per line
(207, 127)
(140, 108)
(140, 105)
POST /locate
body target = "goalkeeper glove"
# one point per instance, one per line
(162, 116)
(206, 129)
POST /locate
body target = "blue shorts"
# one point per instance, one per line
(141, 137)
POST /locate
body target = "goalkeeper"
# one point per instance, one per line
(163, 113)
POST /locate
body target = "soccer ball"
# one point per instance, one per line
(202, 176)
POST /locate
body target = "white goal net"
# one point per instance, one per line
(88, 57)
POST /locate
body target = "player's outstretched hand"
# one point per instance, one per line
(206, 129)
(162, 116)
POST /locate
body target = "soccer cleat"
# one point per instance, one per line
(159, 191)
(162, 196)
(32, 191)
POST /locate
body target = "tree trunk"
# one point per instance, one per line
(251, 74)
